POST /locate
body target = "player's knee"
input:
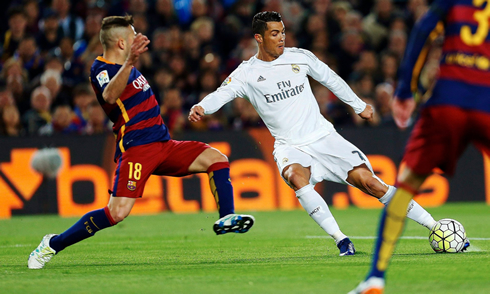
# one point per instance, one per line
(216, 156)
(118, 215)
(296, 176)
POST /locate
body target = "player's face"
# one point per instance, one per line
(274, 39)
(129, 39)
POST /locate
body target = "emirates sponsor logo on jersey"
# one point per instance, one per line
(141, 83)
(286, 91)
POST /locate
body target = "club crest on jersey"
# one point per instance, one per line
(285, 160)
(103, 77)
(131, 185)
(295, 68)
(141, 83)
(226, 82)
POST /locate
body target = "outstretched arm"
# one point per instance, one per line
(415, 55)
(229, 90)
(117, 84)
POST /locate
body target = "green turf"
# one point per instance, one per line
(285, 252)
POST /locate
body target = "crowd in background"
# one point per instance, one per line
(47, 49)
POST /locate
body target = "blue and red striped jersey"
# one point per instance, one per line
(136, 114)
(464, 78)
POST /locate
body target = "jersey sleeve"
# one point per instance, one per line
(231, 88)
(101, 75)
(415, 47)
(318, 70)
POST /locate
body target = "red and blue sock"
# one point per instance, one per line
(87, 226)
(220, 183)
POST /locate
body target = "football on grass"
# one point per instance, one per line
(448, 235)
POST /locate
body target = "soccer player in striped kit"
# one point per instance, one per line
(144, 146)
(458, 113)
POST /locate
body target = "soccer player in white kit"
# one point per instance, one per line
(307, 148)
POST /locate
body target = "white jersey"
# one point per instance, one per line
(281, 93)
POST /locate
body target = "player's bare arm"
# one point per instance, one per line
(117, 84)
(402, 111)
(196, 113)
(367, 113)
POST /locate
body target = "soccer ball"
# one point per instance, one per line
(448, 235)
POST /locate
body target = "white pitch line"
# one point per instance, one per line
(402, 237)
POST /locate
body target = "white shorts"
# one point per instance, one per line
(330, 158)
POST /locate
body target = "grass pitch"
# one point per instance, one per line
(285, 252)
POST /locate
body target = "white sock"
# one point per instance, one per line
(317, 208)
(414, 211)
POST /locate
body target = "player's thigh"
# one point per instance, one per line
(180, 156)
(133, 169)
(336, 157)
(438, 139)
(207, 158)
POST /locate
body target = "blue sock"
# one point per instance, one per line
(220, 183)
(87, 226)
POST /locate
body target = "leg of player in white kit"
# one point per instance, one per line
(414, 212)
(317, 209)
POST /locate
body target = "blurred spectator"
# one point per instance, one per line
(351, 48)
(377, 23)
(10, 125)
(368, 63)
(71, 25)
(83, 96)
(397, 43)
(389, 67)
(90, 36)
(16, 77)
(171, 111)
(414, 10)
(6, 97)
(245, 115)
(31, 10)
(52, 80)
(62, 122)
(73, 72)
(164, 14)
(51, 33)
(97, 121)
(314, 24)
(384, 96)
(39, 114)
(29, 55)
(137, 7)
(10, 40)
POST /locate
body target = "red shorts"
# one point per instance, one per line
(171, 158)
(441, 135)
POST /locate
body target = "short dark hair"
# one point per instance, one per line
(111, 22)
(259, 23)
(116, 21)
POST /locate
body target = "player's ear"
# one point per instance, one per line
(121, 43)
(258, 38)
